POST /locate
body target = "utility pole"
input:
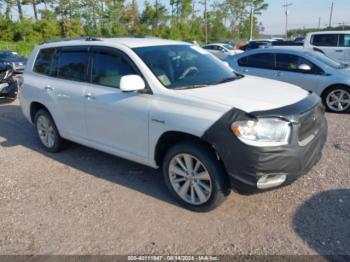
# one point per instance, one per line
(331, 15)
(286, 5)
(319, 23)
(252, 10)
(206, 21)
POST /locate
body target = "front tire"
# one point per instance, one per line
(337, 99)
(48, 132)
(195, 177)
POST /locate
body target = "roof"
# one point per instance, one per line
(292, 50)
(131, 42)
(330, 32)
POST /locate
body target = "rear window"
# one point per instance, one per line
(325, 40)
(72, 64)
(44, 61)
(265, 60)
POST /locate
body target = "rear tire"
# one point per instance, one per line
(195, 177)
(337, 99)
(48, 132)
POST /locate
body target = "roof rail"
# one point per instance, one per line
(82, 38)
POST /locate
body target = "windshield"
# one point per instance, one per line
(9, 55)
(229, 47)
(327, 60)
(184, 66)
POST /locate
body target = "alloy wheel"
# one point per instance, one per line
(338, 100)
(46, 131)
(190, 179)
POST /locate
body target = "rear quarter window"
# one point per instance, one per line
(44, 60)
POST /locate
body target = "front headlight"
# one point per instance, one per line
(263, 132)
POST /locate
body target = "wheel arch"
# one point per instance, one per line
(331, 86)
(35, 107)
(171, 138)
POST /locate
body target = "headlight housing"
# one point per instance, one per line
(263, 132)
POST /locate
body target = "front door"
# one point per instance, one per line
(116, 120)
(287, 70)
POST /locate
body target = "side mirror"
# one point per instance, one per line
(130, 83)
(304, 67)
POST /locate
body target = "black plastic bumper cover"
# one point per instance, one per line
(247, 164)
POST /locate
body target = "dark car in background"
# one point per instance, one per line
(255, 44)
(13, 59)
(8, 83)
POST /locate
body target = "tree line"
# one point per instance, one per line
(189, 20)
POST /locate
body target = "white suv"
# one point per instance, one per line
(170, 104)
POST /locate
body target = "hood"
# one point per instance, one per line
(250, 94)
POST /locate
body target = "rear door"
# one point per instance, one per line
(328, 44)
(287, 71)
(68, 88)
(116, 120)
(262, 64)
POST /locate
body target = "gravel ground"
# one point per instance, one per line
(82, 201)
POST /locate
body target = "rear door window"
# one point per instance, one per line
(72, 64)
(264, 60)
(108, 67)
(330, 40)
(44, 60)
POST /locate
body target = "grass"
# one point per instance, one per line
(21, 47)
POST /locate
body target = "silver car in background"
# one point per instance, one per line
(222, 50)
(310, 70)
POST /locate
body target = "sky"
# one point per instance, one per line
(303, 13)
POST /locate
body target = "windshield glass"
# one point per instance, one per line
(184, 66)
(229, 47)
(9, 55)
(327, 60)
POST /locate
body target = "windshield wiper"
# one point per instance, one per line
(189, 87)
(227, 79)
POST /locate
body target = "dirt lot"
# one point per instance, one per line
(82, 201)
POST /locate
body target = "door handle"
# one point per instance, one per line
(48, 88)
(90, 95)
(339, 51)
(278, 74)
(245, 70)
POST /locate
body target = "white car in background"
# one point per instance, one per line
(310, 70)
(334, 44)
(222, 50)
